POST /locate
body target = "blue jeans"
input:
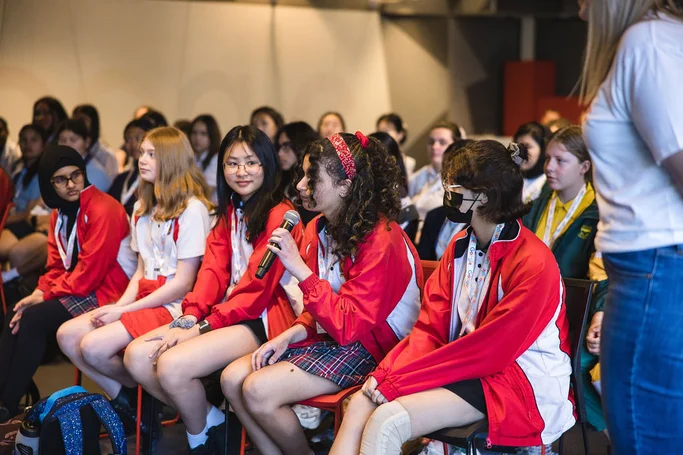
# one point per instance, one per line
(642, 351)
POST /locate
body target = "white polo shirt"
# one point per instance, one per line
(634, 124)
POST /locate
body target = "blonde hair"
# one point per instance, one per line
(607, 22)
(177, 180)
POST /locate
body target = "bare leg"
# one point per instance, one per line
(232, 381)
(141, 368)
(69, 336)
(101, 350)
(348, 438)
(180, 369)
(429, 411)
(268, 394)
(29, 254)
(7, 242)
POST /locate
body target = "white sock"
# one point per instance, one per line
(195, 440)
(215, 417)
(9, 275)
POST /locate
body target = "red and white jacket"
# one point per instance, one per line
(101, 226)
(376, 280)
(251, 297)
(519, 348)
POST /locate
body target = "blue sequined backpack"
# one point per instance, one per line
(69, 422)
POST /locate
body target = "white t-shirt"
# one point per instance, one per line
(634, 124)
(153, 240)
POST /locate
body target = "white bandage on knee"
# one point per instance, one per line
(386, 431)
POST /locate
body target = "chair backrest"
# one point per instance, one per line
(578, 297)
(428, 267)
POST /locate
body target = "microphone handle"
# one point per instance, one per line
(270, 257)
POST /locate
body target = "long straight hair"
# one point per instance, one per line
(178, 177)
(607, 23)
(271, 192)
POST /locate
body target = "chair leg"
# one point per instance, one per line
(138, 421)
(227, 411)
(243, 445)
(584, 431)
(78, 377)
(152, 419)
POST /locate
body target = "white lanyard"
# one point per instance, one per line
(128, 192)
(239, 262)
(60, 239)
(474, 288)
(159, 253)
(547, 239)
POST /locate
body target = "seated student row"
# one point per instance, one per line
(345, 326)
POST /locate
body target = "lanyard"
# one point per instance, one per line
(60, 240)
(237, 233)
(160, 253)
(474, 288)
(547, 238)
(128, 192)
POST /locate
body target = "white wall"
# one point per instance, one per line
(186, 58)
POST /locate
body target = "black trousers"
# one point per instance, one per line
(21, 354)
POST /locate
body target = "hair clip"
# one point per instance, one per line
(364, 141)
(513, 148)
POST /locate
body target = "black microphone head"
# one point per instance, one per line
(292, 217)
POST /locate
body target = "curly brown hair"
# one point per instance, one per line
(373, 193)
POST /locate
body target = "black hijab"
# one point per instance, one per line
(55, 158)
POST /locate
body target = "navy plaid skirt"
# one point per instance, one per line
(346, 366)
(77, 306)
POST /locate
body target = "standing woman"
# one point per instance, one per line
(87, 267)
(634, 131)
(205, 137)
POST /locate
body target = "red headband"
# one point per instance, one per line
(344, 155)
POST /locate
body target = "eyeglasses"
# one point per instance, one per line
(61, 181)
(251, 168)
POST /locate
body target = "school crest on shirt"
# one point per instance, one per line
(585, 231)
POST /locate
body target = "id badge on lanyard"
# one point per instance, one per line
(60, 240)
(155, 267)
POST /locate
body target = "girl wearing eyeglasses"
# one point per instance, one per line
(491, 341)
(87, 267)
(169, 228)
(361, 281)
(230, 312)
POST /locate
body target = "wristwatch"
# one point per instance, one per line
(204, 327)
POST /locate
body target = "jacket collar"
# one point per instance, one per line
(507, 241)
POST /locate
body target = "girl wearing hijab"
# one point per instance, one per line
(87, 267)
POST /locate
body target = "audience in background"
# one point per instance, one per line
(48, 113)
(408, 219)
(291, 142)
(184, 125)
(74, 133)
(205, 137)
(21, 243)
(437, 230)
(534, 136)
(331, 123)
(267, 120)
(425, 187)
(97, 150)
(394, 125)
(124, 188)
(10, 153)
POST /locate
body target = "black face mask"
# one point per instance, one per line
(452, 207)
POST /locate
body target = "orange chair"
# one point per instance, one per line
(428, 267)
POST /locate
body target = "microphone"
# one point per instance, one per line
(290, 220)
